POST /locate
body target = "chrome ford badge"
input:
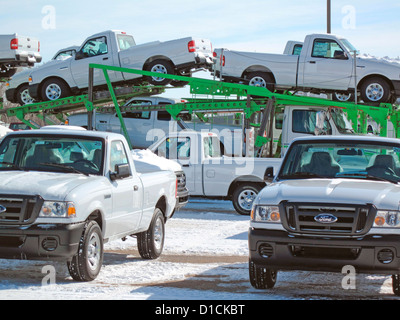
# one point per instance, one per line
(325, 218)
(2, 209)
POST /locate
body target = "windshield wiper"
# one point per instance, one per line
(12, 165)
(365, 176)
(63, 166)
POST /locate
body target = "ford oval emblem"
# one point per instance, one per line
(325, 218)
(2, 209)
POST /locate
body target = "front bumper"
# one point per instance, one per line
(182, 199)
(279, 250)
(40, 242)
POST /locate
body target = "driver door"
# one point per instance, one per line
(95, 50)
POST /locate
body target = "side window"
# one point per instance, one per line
(329, 49)
(163, 116)
(297, 49)
(212, 147)
(175, 148)
(304, 121)
(118, 154)
(95, 47)
(144, 115)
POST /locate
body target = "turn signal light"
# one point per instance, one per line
(379, 221)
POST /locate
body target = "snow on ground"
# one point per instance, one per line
(205, 258)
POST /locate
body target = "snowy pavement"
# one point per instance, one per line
(205, 258)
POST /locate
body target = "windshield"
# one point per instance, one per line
(342, 159)
(342, 123)
(349, 46)
(46, 153)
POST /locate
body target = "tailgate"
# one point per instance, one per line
(203, 45)
(27, 44)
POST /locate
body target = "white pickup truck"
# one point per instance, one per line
(60, 79)
(18, 86)
(17, 51)
(209, 173)
(146, 127)
(64, 193)
(333, 204)
(325, 64)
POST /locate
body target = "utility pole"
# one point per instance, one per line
(328, 17)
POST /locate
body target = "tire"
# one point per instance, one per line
(261, 277)
(343, 96)
(161, 66)
(86, 264)
(261, 79)
(243, 197)
(22, 95)
(396, 284)
(151, 242)
(375, 90)
(53, 89)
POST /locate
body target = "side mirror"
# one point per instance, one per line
(79, 55)
(339, 55)
(269, 174)
(121, 171)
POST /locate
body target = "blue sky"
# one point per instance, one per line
(252, 25)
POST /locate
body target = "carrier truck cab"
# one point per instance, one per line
(333, 203)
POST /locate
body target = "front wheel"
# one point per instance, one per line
(261, 277)
(86, 264)
(244, 196)
(375, 90)
(53, 89)
(23, 96)
(151, 242)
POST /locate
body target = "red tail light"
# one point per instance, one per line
(38, 46)
(222, 61)
(192, 46)
(176, 189)
(14, 44)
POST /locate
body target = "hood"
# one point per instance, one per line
(50, 186)
(384, 195)
(52, 64)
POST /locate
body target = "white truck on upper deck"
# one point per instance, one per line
(325, 64)
(58, 79)
(333, 206)
(63, 193)
(210, 173)
(17, 51)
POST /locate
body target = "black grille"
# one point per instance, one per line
(19, 210)
(350, 219)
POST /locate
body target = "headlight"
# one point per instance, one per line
(57, 209)
(266, 214)
(387, 219)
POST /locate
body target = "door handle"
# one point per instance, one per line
(186, 165)
(313, 62)
(106, 58)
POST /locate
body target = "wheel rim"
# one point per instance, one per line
(158, 234)
(94, 252)
(160, 69)
(258, 82)
(53, 91)
(25, 97)
(343, 96)
(374, 92)
(246, 199)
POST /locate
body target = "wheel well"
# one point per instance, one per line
(96, 216)
(360, 83)
(162, 205)
(151, 59)
(258, 68)
(250, 181)
(44, 80)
